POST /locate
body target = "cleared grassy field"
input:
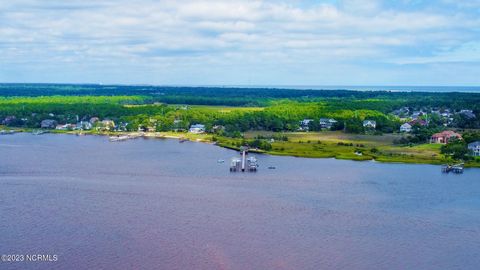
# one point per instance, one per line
(225, 109)
(352, 146)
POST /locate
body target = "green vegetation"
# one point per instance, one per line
(266, 119)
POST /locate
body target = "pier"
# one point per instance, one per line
(457, 168)
(7, 132)
(123, 138)
(243, 164)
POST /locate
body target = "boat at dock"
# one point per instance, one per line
(252, 164)
(457, 168)
(235, 164)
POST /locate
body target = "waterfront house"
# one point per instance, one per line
(406, 127)
(108, 124)
(327, 123)
(48, 123)
(474, 147)
(84, 125)
(93, 120)
(122, 126)
(197, 128)
(445, 136)
(369, 124)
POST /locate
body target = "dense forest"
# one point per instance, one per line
(230, 96)
(165, 108)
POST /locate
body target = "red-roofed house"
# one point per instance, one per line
(445, 136)
(420, 122)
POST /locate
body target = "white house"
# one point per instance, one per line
(197, 128)
(85, 125)
(406, 127)
(327, 122)
(475, 148)
(369, 124)
(107, 124)
(304, 124)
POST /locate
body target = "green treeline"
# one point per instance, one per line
(250, 109)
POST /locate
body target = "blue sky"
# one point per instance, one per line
(236, 42)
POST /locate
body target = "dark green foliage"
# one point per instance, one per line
(457, 149)
(471, 136)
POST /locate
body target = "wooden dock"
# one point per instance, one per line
(120, 138)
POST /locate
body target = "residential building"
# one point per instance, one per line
(475, 148)
(406, 127)
(327, 122)
(108, 124)
(197, 128)
(304, 124)
(370, 124)
(417, 114)
(9, 120)
(218, 128)
(468, 114)
(419, 122)
(84, 125)
(48, 123)
(93, 120)
(445, 137)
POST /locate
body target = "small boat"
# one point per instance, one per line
(271, 167)
(235, 164)
(182, 140)
(220, 161)
(252, 164)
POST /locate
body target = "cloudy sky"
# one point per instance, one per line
(236, 42)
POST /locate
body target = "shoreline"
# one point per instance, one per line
(227, 143)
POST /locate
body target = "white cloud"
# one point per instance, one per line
(146, 33)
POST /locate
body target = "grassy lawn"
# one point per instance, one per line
(348, 146)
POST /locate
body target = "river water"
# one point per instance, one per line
(159, 204)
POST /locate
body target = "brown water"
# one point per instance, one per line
(158, 204)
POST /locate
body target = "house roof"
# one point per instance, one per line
(421, 122)
(369, 122)
(474, 144)
(447, 133)
(197, 126)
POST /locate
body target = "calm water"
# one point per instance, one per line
(158, 204)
